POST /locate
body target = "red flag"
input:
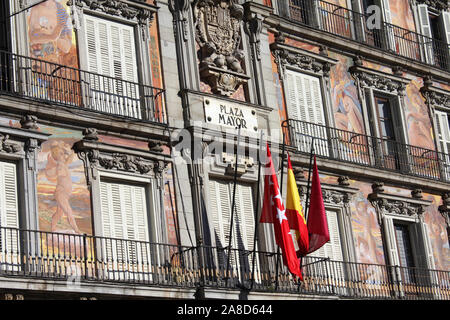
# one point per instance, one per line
(317, 218)
(273, 211)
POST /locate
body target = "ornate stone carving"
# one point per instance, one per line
(98, 156)
(335, 197)
(90, 134)
(286, 55)
(124, 162)
(383, 82)
(117, 8)
(218, 35)
(29, 122)
(434, 96)
(6, 146)
(438, 5)
(384, 203)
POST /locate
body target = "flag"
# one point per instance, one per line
(317, 218)
(273, 211)
(295, 214)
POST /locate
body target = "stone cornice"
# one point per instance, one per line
(15, 140)
(286, 55)
(435, 96)
(378, 80)
(397, 206)
(137, 9)
(97, 155)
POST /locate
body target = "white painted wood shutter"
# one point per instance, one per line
(9, 213)
(425, 27)
(443, 135)
(305, 103)
(391, 241)
(124, 217)
(389, 28)
(443, 129)
(111, 52)
(445, 22)
(333, 248)
(221, 193)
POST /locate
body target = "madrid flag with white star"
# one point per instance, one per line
(273, 211)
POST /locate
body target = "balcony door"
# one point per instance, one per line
(386, 134)
(306, 113)
(242, 242)
(112, 81)
(124, 245)
(9, 218)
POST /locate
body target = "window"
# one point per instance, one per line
(435, 27)
(221, 199)
(305, 107)
(9, 215)
(111, 53)
(384, 121)
(124, 227)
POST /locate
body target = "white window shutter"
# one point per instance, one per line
(333, 248)
(443, 131)
(305, 103)
(391, 241)
(9, 213)
(388, 19)
(124, 217)
(445, 22)
(428, 247)
(425, 27)
(111, 52)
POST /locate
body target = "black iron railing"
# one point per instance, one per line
(78, 258)
(367, 151)
(364, 29)
(57, 84)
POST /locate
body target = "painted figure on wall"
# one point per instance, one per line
(417, 117)
(346, 106)
(50, 33)
(57, 170)
(63, 195)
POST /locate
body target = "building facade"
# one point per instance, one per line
(132, 133)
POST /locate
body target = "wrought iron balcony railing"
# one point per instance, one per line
(368, 151)
(359, 27)
(57, 84)
(47, 255)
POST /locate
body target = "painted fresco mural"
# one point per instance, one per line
(402, 14)
(50, 33)
(63, 195)
(420, 131)
(347, 108)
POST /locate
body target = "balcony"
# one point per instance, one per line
(93, 259)
(367, 151)
(51, 83)
(353, 25)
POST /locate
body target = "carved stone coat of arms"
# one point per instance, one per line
(218, 35)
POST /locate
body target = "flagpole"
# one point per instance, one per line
(233, 202)
(309, 179)
(281, 193)
(307, 190)
(255, 235)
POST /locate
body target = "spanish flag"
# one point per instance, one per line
(295, 214)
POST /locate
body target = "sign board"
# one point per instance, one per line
(229, 114)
